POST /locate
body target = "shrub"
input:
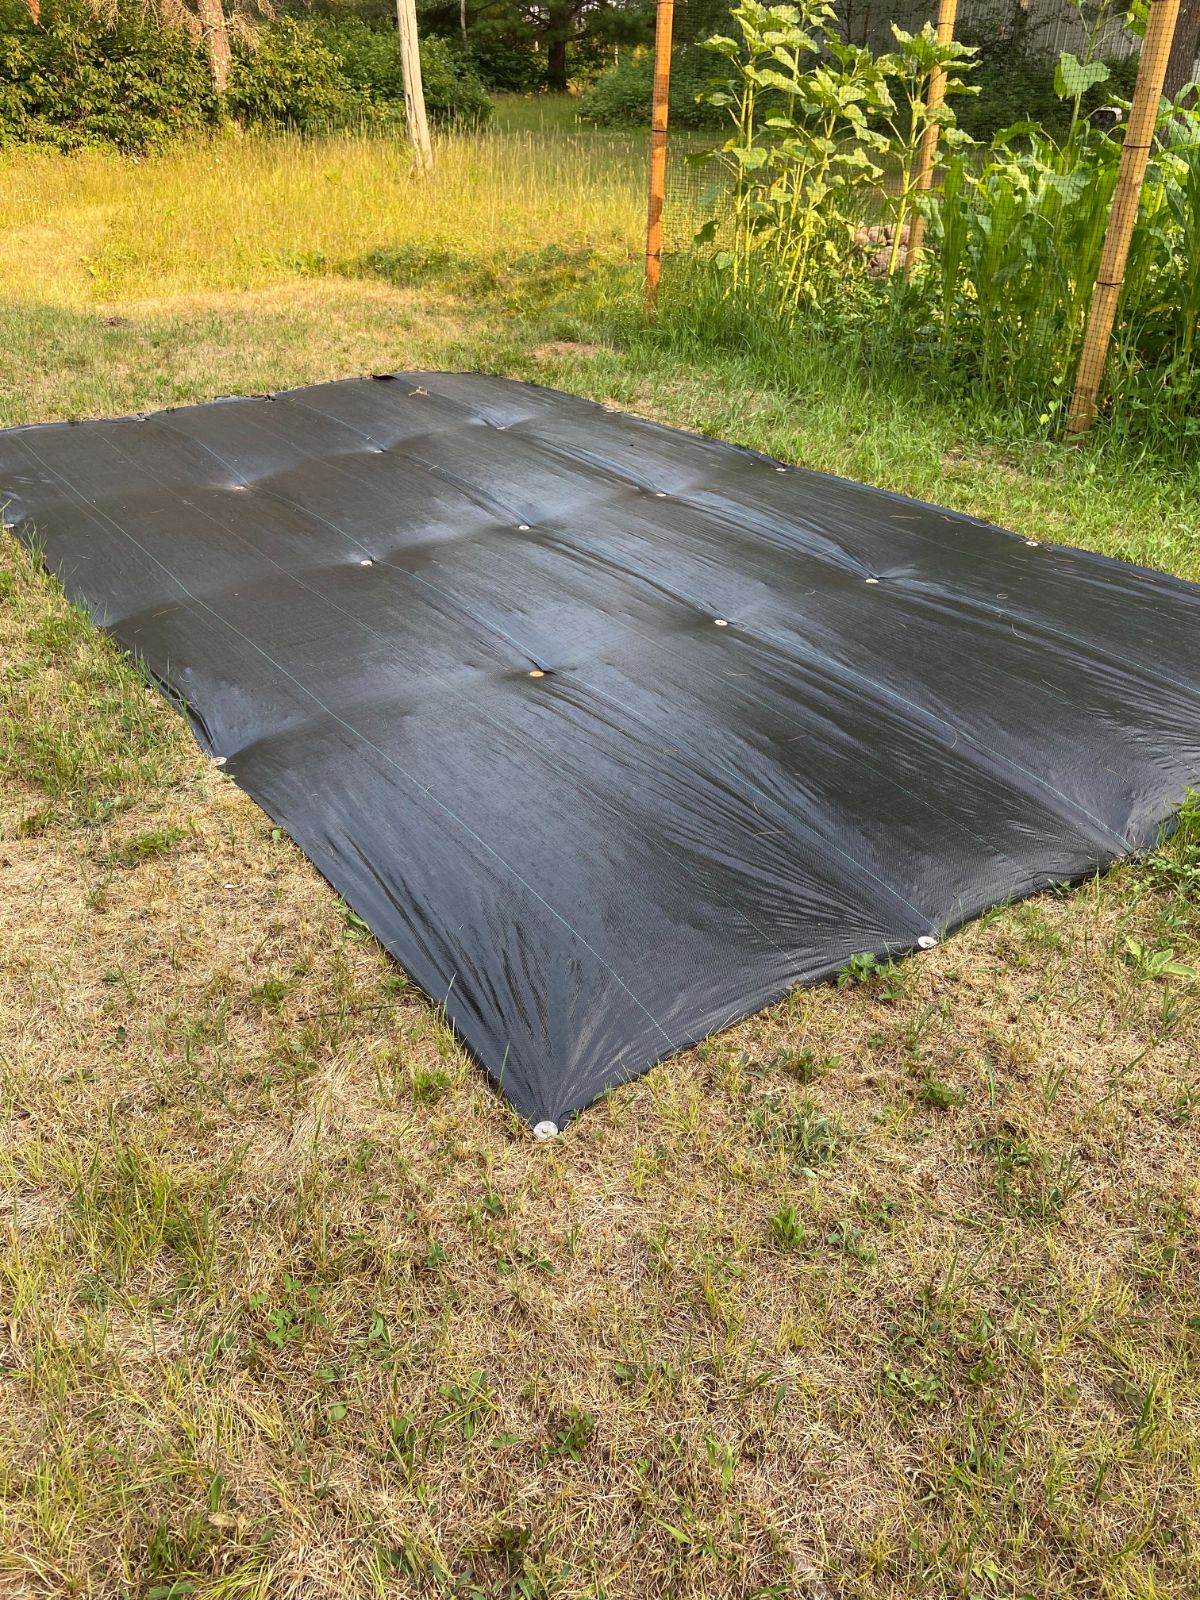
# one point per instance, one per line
(286, 76)
(620, 97)
(369, 59)
(78, 80)
(128, 82)
(506, 71)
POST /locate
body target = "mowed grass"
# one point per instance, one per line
(893, 1290)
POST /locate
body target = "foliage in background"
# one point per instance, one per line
(818, 125)
(79, 81)
(124, 80)
(808, 217)
(369, 58)
(1012, 84)
(559, 41)
(1019, 88)
(1017, 238)
(620, 97)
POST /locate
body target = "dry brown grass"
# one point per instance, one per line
(893, 1290)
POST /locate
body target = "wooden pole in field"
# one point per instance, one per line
(658, 149)
(414, 91)
(1139, 137)
(947, 16)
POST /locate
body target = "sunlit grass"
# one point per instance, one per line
(237, 214)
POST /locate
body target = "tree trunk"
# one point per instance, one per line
(216, 41)
(35, 11)
(414, 87)
(1181, 65)
(556, 65)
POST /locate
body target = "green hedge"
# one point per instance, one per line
(76, 81)
(620, 97)
(369, 57)
(79, 80)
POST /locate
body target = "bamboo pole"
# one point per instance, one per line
(658, 150)
(1139, 137)
(414, 91)
(947, 16)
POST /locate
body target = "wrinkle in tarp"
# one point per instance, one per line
(611, 733)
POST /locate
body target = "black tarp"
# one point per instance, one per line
(613, 733)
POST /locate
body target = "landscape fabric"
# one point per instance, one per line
(613, 733)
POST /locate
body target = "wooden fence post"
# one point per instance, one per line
(1139, 137)
(658, 149)
(947, 16)
(414, 91)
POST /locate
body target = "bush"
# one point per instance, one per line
(621, 97)
(286, 76)
(504, 70)
(369, 59)
(129, 83)
(78, 80)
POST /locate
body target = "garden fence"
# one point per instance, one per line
(1017, 227)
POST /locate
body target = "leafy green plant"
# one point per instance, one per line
(908, 118)
(787, 1230)
(884, 978)
(789, 174)
(1017, 237)
(806, 1137)
(823, 133)
(571, 1437)
(1157, 963)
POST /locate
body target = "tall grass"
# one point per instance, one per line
(248, 213)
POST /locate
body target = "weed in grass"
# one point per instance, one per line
(1028, 1182)
(469, 1403)
(883, 979)
(787, 1230)
(142, 847)
(848, 1238)
(801, 1134)
(941, 1096)
(803, 1065)
(1151, 963)
(921, 1388)
(572, 1436)
(271, 992)
(429, 1084)
(1175, 865)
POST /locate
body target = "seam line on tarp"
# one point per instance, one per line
(860, 867)
(292, 577)
(263, 488)
(1073, 811)
(554, 912)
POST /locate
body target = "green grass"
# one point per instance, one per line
(537, 113)
(890, 1291)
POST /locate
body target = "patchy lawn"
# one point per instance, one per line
(890, 1291)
